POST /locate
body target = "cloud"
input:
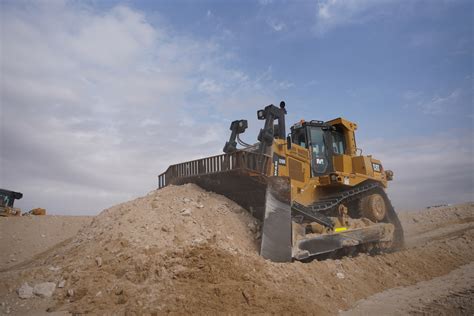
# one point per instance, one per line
(436, 105)
(276, 25)
(428, 170)
(265, 2)
(411, 95)
(439, 104)
(331, 14)
(209, 86)
(94, 104)
(312, 83)
(286, 85)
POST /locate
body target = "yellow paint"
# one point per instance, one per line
(350, 168)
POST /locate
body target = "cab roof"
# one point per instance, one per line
(337, 121)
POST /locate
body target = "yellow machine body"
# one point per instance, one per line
(350, 169)
(313, 191)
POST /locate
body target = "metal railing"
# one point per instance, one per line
(237, 160)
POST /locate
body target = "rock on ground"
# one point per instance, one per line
(25, 291)
(45, 289)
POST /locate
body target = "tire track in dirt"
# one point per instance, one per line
(451, 294)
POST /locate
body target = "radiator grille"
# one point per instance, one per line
(296, 170)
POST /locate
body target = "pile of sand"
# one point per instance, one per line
(172, 219)
(184, 250)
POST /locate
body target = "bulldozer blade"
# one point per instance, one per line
(321, 244)
(276, 233)
(240, 186)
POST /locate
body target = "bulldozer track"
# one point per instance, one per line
(329, 203)
(316, 211)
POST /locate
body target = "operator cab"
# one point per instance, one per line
(322, 140)
(7, 197)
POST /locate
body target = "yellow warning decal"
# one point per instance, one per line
(340, 229)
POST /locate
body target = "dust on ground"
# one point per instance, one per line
(184, 250)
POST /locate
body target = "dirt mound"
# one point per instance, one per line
(185, 250)
(173, 218)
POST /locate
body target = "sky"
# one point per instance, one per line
(99, 97)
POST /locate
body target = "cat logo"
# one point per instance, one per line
(319, 161)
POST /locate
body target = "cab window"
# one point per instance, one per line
(317, 141)
(338, 143)
(299, 137)
(4, 200)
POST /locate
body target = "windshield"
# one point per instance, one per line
(319, 160)
(338, 144)
(317, 141)
(299, 137)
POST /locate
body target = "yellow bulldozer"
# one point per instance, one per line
(314, 192)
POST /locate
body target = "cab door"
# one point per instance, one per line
(320, 150)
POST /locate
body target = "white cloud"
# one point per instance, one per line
(209, 86)
(312, 83)
(265, 2)
(95, 104)
(439, 104)
(435, 105)
(286, 84)
(428, 170)
(125, 29)
(411, 95)
(277, 26)
(335, 13)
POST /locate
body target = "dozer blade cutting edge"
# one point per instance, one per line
(327, 243)
(276, 231)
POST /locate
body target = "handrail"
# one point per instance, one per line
(220, 163)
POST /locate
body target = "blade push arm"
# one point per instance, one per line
(237, 127)
(271, 113)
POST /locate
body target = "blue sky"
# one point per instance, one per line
(98, 97)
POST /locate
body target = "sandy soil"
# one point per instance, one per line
(24, 237)
(451, 294)
(183, 250)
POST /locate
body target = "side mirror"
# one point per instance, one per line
(288, 142)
